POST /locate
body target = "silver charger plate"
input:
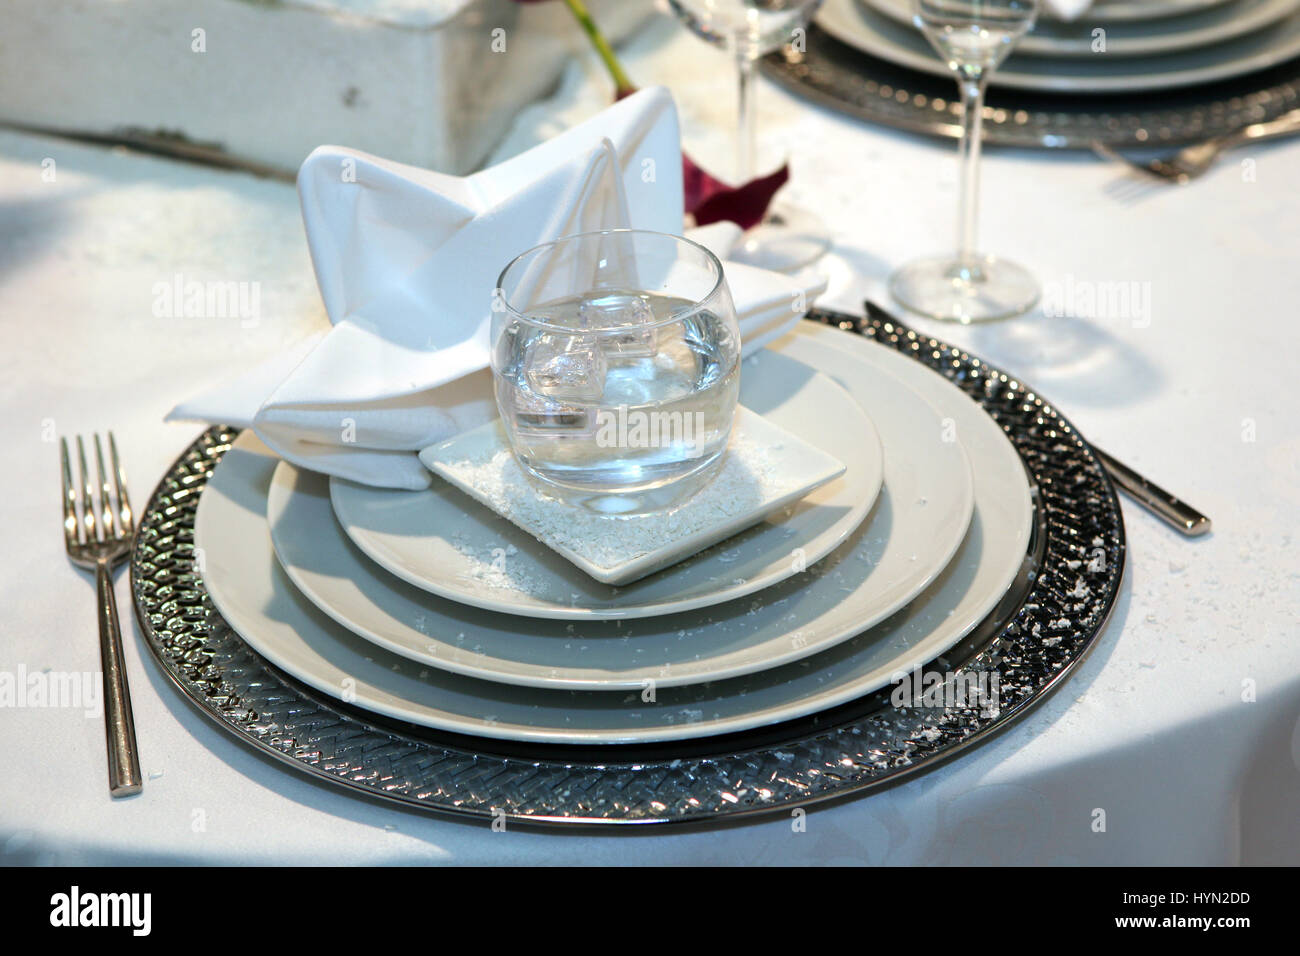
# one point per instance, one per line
(1032, 641)
(842, 77)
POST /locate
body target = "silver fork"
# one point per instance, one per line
(98, 536)
(1192, 161)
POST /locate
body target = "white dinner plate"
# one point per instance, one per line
(851, 22)
(1148, 37)
(447, 543)
(257, 599)
(864, 581)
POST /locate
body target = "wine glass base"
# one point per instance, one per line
(787, 240)
(979, 289)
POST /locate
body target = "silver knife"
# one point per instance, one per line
(1173, 511)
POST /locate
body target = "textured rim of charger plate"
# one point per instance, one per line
(701, 646)
(440, 540)
(852, 749)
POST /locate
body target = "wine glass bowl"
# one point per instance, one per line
(788, 238)
(973, 37)
(757, 26)
(967, 34)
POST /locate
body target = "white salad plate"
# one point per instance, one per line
(1150, 37)
(765, 468)
(446, 543)
(852, 22)
(257, 599)
(865, 580)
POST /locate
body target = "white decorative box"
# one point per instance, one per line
(434, 83)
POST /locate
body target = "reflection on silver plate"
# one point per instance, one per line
(841, 77)
(859, 746)
(853, 23)
(1125, 38)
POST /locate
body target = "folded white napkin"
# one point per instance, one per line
(407, 259)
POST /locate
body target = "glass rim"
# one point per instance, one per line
(676, 316)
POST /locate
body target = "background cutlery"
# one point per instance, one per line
(1192, 161)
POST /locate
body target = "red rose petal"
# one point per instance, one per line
(711, 200)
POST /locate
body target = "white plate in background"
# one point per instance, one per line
(852, 23)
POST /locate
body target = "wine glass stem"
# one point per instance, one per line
(972, 120)
(747, 111)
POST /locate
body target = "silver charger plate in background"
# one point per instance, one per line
(1032, 641)
(843, 78)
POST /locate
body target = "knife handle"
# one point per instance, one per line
(1179, 515)
(1173, 511)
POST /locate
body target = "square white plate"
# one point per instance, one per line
(765, 469)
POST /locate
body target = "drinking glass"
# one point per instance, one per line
(973, 37)
(788, 238)
(616, 364)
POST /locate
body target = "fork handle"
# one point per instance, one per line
(123, 759)
(1284, 125)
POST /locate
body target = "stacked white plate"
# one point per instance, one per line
(1116, 46)
(429, 608)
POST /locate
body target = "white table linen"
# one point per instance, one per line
(1181, 725)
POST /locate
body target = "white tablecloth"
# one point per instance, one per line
(1181, 726)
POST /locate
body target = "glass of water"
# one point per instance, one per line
(616, 362)
(789, 238)
(973, 37)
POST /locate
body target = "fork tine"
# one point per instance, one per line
(88, 496)
(119, 482)
(69, 499)
(105, 494)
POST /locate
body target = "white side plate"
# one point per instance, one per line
(447, 544)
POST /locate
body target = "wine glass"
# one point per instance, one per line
(788, 238)
(973, 37)
(616, 364)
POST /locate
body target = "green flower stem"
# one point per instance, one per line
(580, 13)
